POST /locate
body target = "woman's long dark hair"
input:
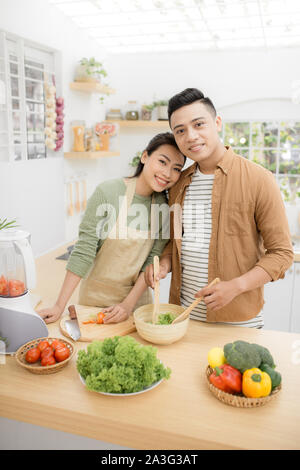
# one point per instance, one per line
(165, 138)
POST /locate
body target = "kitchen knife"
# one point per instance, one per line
(72, 325)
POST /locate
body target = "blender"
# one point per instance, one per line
(19, 323)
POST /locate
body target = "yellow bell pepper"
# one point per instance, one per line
(256, 384)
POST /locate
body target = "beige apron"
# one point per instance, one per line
(119, 262)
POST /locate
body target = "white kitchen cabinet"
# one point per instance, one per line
(278, 302)
(295, 316)
(282, 302)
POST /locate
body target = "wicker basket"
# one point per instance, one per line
(159, 334)
(239, 401)
(37, 368)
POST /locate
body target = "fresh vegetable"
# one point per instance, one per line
(100, 317)
(120, 365)
(274, 375)
(61, 353)
(227, 378)
(216, 357)
(48, 361)
(43, 345)
(256, 384)
(56, 343)
(242, 355)
(33, 355)
(165, 318)
(47, 352)
(265, 355)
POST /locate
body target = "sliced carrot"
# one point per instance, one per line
(100, 317)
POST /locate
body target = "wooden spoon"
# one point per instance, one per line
(70, 208)
(84, 195)
(77, 197)
(156, 290)
(188, 310)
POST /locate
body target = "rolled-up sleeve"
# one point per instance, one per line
(273, 225)
(86, 247)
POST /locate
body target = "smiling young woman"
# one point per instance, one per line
(160, 165)
(116, 241)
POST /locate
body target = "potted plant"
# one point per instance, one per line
(4, 224)
(89, 70)
(147, 111)
(162, 110)
(136, 160)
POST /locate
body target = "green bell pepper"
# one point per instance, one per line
(274, 375)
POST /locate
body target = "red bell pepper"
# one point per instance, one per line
(227, 378)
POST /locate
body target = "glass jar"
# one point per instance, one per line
(78, 128)
(132, 113)
(114, 115)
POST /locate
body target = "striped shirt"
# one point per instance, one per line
(195, 247)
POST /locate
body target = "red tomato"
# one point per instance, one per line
(56, 343)
(61, 354)
(3, 286)
(32, 355)
(48, 361)
(47, 352)
(43, 345)
(16, 287)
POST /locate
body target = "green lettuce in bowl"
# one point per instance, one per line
(120, 365)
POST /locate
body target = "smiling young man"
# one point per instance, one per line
(232, 223)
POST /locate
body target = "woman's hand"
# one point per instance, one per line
(116, 313)
(52, 314)
(164, 269)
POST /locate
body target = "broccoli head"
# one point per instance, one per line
(265, 355)
(242, 355)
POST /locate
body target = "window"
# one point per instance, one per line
(24, 67)
(274, 145)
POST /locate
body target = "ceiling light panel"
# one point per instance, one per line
(78, 8)
(152, 25)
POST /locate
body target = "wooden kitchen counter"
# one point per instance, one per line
(180, 413)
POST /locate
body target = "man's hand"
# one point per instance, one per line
(220, 294)
(116, 313)
(164, 268)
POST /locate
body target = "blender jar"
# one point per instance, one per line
(17, 268)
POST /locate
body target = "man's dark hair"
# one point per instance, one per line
(189, 96)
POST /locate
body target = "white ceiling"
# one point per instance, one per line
(124, 26)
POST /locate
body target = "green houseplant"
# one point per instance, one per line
(136, 160)
(89, 70)
(5, 224)
(162, 109)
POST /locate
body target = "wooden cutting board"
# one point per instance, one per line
(92, 331)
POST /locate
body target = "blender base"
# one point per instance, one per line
(19, 323)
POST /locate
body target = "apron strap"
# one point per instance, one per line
(127, 200)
